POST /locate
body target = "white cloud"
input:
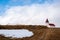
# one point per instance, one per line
(17, 33)
(33, 14)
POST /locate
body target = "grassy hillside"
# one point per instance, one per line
(22, 26)
(40, 32)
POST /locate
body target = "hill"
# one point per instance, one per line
(40, 32)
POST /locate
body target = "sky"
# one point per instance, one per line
(16, 33)
(29, 12)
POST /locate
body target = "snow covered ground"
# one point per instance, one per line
(15, 33)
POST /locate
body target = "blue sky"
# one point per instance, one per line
(4, 3)
(34, 11)
(23, 2)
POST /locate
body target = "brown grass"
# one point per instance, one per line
(40, 32)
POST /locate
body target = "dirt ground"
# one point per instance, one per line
(40, 32)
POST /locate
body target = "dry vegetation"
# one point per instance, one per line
(40, 32)
(22, 26)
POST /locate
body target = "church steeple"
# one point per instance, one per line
(47, 21)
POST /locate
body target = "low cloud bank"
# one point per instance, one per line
(34, 14)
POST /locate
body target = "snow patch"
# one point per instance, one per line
(16, 33)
